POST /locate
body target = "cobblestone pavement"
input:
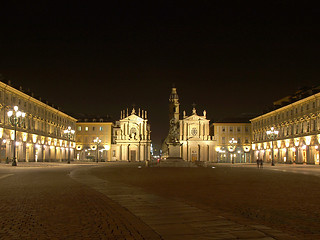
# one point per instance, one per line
(305, 169)
(41, 201)
(173, 219)
(45, 203)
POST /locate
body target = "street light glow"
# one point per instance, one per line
(16, 119)
(69, 132)
(272, 134)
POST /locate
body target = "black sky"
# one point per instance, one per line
(229, 57)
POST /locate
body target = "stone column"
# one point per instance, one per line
(128, 152)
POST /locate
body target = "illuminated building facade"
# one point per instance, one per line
(298, 131)
(196, 142)
(189, 138)
(41, 136)
(93, 139)
(233, 141)
(131, 137)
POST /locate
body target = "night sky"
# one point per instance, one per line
(228, 57)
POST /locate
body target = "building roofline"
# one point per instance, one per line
(38, 101)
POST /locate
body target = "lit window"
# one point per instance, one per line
(86, 128)
(101, 128)
(79, 128)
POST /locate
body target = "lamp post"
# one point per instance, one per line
(97, 141)
(232, 142)
(272, 134)
(69, 133)
(16, 119)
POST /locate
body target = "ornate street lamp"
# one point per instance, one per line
(69, 133)
(232, 143)
(97, 141)
(272, 134)
(16, 119)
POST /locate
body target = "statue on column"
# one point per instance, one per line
(174, 132)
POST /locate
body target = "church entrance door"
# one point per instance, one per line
(133, 155)
(194, 156)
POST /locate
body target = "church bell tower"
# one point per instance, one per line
(174, 104)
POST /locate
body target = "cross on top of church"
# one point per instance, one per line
(194, 111)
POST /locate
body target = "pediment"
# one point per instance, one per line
(195, 118)
(133, 118)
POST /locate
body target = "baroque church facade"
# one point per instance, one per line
(131, 137)
(189, 137)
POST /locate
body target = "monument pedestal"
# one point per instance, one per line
(174, 158)
(174, 150)
(176, 162)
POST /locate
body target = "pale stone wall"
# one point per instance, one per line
(87, 132)
(131, 140)
(298, 139)
(41, 136)
(227, 151)
(195, 139)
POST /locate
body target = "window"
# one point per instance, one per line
(86, 129)
(79, 128)
(93, 128)
(231, 129)
(101, 128)
(223, 140)
(223, 129)
(247, 140)
(238, 129)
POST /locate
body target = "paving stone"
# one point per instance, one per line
(171, 219)
(248, 234)
(47, 204)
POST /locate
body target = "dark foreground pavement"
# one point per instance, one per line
(45, 203)
(112, 201)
